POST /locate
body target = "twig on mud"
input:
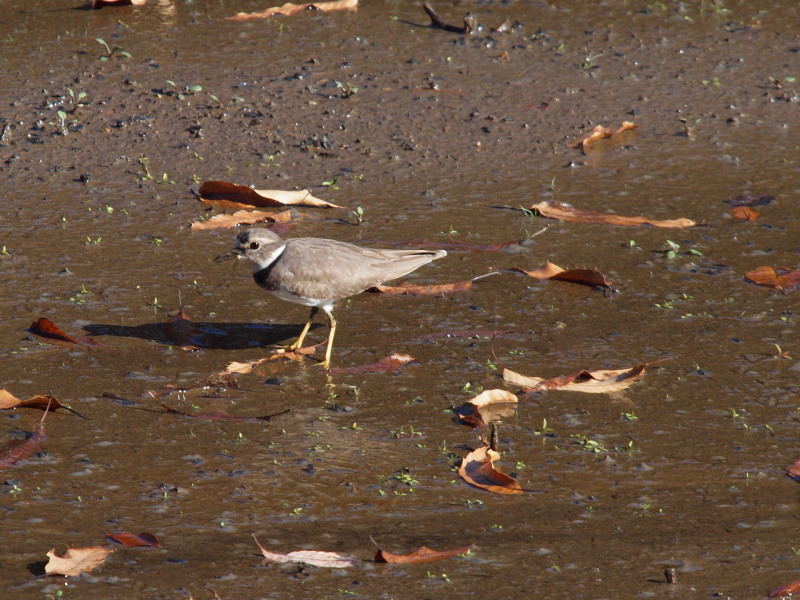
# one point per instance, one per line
(470, 21)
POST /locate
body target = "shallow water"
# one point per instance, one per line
(444, 140)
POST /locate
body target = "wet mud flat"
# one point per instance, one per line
(440, 138)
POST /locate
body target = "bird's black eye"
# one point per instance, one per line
(254, 245)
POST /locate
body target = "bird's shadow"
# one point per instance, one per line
(222, 336)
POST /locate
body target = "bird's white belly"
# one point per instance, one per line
(326, 305)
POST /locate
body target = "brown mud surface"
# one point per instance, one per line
(440, 138)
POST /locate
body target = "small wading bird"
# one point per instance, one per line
(317, 272)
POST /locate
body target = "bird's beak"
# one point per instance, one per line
(235, 253)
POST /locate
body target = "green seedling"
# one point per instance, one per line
(331, 183)
(347, 89)
(62, 123)
(188, 90)
(76, 99)
(358, 213)
(111, 51)
(144, 162)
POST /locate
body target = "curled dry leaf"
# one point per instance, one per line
(40, 401)
(134, 540)
(243, 217)
(76, 560)
(421, 555)
(590, 277)
(25, 448)
(388, 364)
(785, 590)
(794, 470)
(223, 193)
(477, 469)
(564, 212)
(218, 416)
(591, 382)
(600, 133)
(329, 560)
(243, 368)
(44, 327)
(779, 278)
(487, 407)
(745, 213)
(98, 4)
(290, 9)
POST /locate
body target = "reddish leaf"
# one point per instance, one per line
(591, 382)
(477, 468)
(421, 555)
(599, 133)
(98, 4)
(589, 277)
(44, 327)
(76, 560)
(242, 217)
(786, 590)
(745, 213)
(218, 416)
(223, 193)
(388, 364)
(779, 278)
(290, 9)
(134, 540)
(25, 448)
(330, 560)
(564, 212)
(794, 470)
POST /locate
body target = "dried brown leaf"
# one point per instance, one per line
(422, 555)
(223, 193)
(329, 560)
(242, 217)
(591, 277)
(134, 540)
(745, 213)
(564, 212)
(44, 327)
(779, 278)
(290, 9)
(590, 382)
(785, 590)
(487, 407)
(477, 469)
(25, 448)
(40, 401)
(600, 133)
(98, 4)
(76, 560)
(243, 368)
(387, 364)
